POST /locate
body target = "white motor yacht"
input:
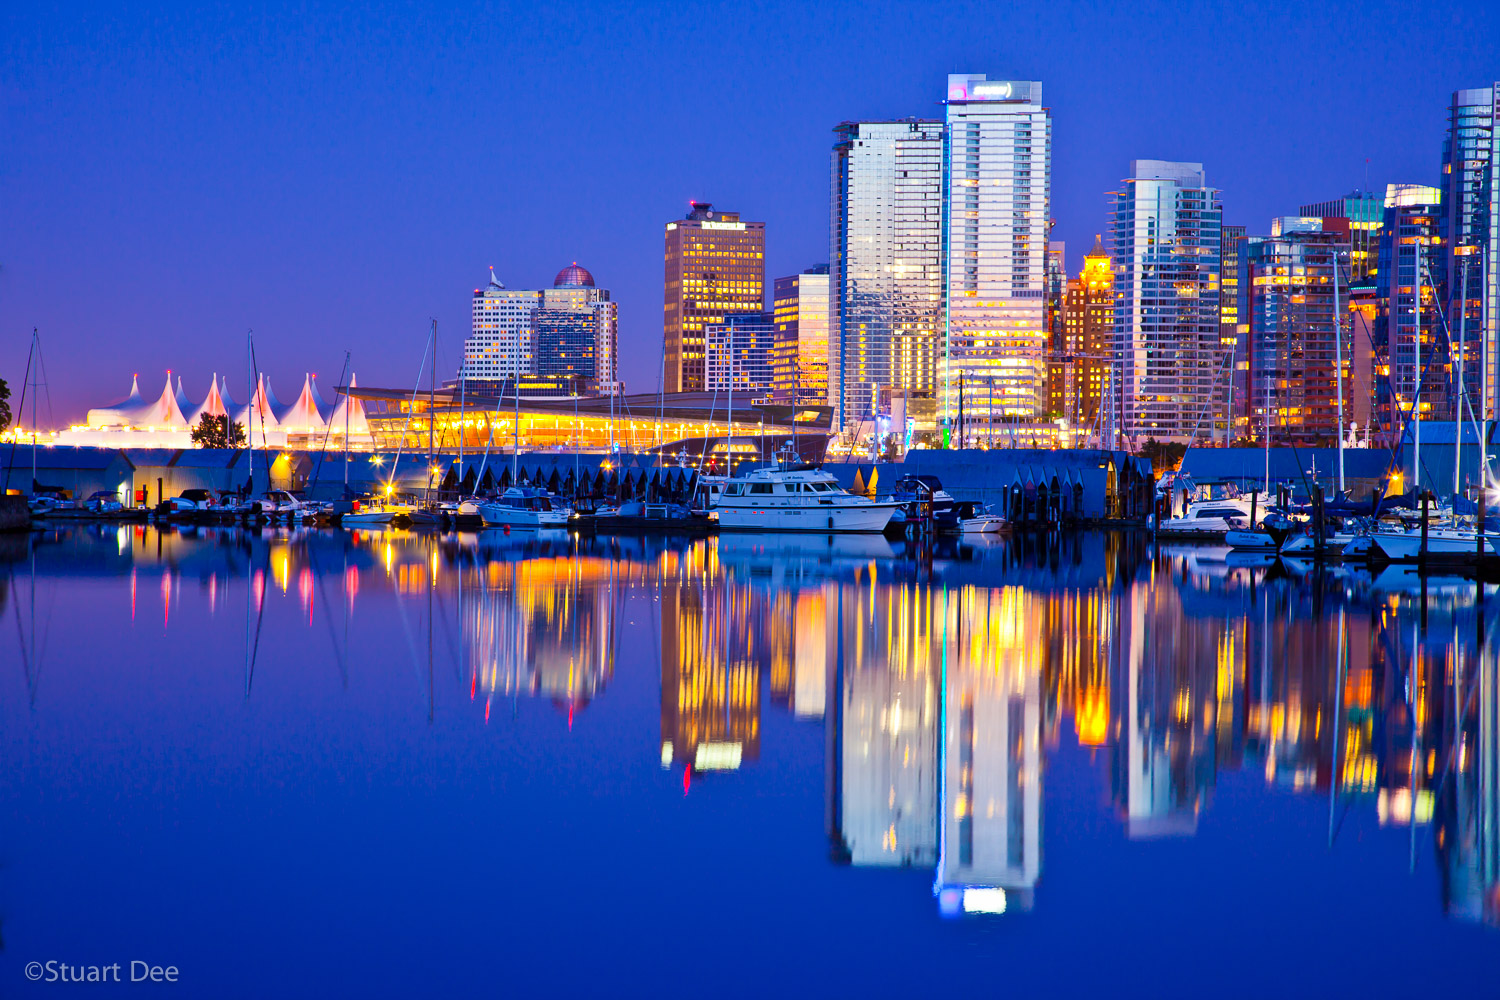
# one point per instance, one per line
(523, 507)
(1445, 542)
(1208, 519)
(798, 498)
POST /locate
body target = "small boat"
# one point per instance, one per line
(977, 519)
(376, 513)
(1208, 519)
(1445, 542)
(1250, 540)
(523, 507)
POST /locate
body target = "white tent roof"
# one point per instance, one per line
(323, 407)
(263, 407)
(230, 406)
(213, 404)
(122, 413)
(303, 416)
(165, 412)
(277, 406)
(355, 411)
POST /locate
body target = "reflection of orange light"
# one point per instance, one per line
(1091, 718)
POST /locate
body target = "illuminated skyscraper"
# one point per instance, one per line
(1286, 292)
(801, 307)
(575, 332)
(715, 267)
(1364, 212)
(1406, 319)
(885, 273)
(740, 351)
(997, 170)
(1231, 239)
(499, 346)
(1082, 366)
(1470, 230)
(1165, 245)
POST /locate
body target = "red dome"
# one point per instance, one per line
(573, 276)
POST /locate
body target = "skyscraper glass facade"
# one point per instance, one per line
(1365, 212)
(801, 309)
(997, 166)
(1409, 349)
(1165, 246)
(741, 351)
(885, 270)
(1470, 230)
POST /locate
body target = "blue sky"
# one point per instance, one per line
(335, 178)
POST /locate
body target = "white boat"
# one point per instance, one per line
(1208, 519)
(798, 498)
(1442, 542)
(377, 513)
(977, 520)
(523, 507)
(1248, 540)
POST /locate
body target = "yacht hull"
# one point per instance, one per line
(866, 517)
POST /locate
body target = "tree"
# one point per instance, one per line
(215, 432)
(4, 406)
(1164, 455)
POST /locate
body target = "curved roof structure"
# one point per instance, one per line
(262, 408)
(352, 409)
(120, 414)
(304, 416)
(573, 276)
(213, 404)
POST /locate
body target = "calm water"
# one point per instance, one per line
(305, 763)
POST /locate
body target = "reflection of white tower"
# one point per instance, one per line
(888, 738)
(991, 752)
(1469, 839)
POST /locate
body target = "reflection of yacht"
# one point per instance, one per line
(860, 548)
(798, 499)
(523, 507)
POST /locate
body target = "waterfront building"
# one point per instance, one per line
(1470, 230)
(1364, 211)
(1287, 288)
(885, 279)
(1408, 344)
(997, 169)
(576, 329)
(715, 267)
(740, 353)
(1231, 337)
(802, 346)
(1082, 362)
(500, 340)
(1165, 244)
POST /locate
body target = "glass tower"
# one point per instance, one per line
(1165, 244)
(885, 275)
(1407, 343)
(801, 307)
(1470, 230)
(715, 267)
(997, 165)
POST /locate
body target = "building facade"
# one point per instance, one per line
(1165, 243)
(500, 340)
(1408, 344)
(997, 168)
(740, 352)
(1082, 368)
(1470, 231)
(802, 345)
(885, 273)
(1231, 337)
(1364, 212)
(1290, 301)
(715, 267)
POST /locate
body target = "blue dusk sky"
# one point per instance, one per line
(333, 178)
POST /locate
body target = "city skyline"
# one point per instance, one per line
(189, 261)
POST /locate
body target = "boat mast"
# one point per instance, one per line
(1268, 433)
(36, 347)
(729, 459)
(1416, 396)
(431, 412)
(515, 452)
(1463, 390)
(346, 430)
(1338, 364)
(250, 414)
(461, 426)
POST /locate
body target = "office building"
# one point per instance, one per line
(500, 341)
(567, 331)
(740, 352)
(1057, 293)
(801, 355)
(1288, 298)
(1364, 212)
(1230, 338)
(885, 277)
(715, 267)
(1470, 231)
(997, 172)
(576, 333)
(1406, 334)
(1082, 364)
(1165, 245)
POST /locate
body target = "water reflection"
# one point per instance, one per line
(944, 679)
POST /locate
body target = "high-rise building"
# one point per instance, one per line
(1165, 245)
(568, 330)
(576, 332)
(1287, 298)
(1408, 346)
(741, 351)
(1230, 240)
(715, 267)
(500, 342)
(1364, 211)
(1057, 294)
(1470, 230)
(885, 274)
(1081, 372)
(801, 356)
(997, 169)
